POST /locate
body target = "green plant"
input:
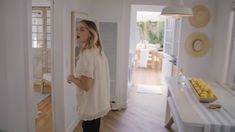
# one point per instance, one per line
(155, 31)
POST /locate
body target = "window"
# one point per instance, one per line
(41, 41)
(41, 27)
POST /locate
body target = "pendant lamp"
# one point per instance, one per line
(177, 9)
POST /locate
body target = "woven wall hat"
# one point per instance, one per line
(197, 44)
(201, 16)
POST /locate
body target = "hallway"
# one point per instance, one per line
(144, 113)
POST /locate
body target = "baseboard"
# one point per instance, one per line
(72, 126)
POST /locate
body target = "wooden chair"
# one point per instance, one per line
(156, 59)
(137, 57)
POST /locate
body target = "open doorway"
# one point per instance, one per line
(146, 52)
(151, 40)
(42, 64)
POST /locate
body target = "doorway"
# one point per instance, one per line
(146, 50)
(152, 57)
(146, 93)
(42, 64)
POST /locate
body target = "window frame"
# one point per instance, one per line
(46, 28)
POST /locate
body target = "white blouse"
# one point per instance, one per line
(94, 103)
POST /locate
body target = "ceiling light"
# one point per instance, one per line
(177, 9)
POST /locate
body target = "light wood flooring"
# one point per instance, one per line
(147, 76)
(44, 118)
(144, 113)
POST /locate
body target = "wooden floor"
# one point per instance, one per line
(44, 118)
(147, 76)
(144, 113)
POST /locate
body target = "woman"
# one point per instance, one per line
(91, 78)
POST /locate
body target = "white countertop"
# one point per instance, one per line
(188, 113)
(192, 113)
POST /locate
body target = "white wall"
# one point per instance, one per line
(70, 100)
(112, 11)
(221, 45)
(14, 112)
(3, 78)
(197, 66)
(106, 10)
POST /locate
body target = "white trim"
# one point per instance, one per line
(31, 104)
(72, 126)
(52, 71)
(231, 74)
(41, 3)
(58, 65)
(229, 70)
(122, 56)
(120, 99)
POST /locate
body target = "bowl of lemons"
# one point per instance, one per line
(202, 90)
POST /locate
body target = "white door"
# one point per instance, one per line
(170, 48)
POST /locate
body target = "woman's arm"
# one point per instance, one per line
(85, 83)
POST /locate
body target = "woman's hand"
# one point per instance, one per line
(70, 78)
(83, 82)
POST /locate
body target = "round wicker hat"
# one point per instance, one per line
(197, 44)
(201, 16)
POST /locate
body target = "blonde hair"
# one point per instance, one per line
(94, 41)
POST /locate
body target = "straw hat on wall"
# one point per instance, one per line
(197, 44)
(201, 16)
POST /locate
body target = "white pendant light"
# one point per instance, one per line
(177, 9)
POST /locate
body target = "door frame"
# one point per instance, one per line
(57, 66)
